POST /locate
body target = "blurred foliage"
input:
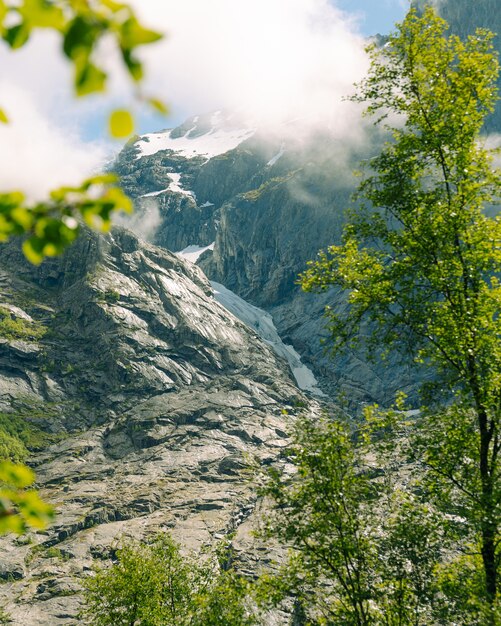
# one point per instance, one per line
(49, 226)
(20, 508)
(83, 26)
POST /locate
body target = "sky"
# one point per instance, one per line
(274, 59)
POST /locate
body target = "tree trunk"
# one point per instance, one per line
(489, 525)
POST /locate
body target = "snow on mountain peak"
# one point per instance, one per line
(206, 136)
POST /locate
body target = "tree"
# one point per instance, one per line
(364, 547)
(48, 227)
(421, 257)
(152, 584)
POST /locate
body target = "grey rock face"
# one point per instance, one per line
(158, 395)
(273, 203)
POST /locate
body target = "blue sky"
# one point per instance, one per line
(376, 16)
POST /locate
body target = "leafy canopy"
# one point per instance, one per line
(152, 584)
(364, 547)
(421, 257)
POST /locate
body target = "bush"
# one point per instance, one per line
(154, 585)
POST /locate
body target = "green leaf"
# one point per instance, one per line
(17, 36)
(114, 6)
(15, 475)
(121, 124)
(3, 117)
(100, 179)
(133, 65)
(34, 510)
(133, 34)
(89, 79)
(42, 14)
(33, 255)
(158, 106)
(120, 201)
(80, 38)
(23, 217)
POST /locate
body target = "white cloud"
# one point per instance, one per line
(274, 59)
(37, 153)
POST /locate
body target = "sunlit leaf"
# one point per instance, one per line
(101, 179)
(34, 510)
(42, 14)
(121, 124)
(89, 79)
(34, 256)
(119, 201)
(158, 106)
(133, 34)
(16, 475)
(114, 6)
(22, 216)
(11, 523)
(17, 36)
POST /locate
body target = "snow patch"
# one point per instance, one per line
(277, 156)
(173, 186)
(262, 323)
(192, 253)
(213, 143)
(176, 187)
(154, 193)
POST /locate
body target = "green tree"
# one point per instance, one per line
(152, 584)
(364, 548)
(421, 257)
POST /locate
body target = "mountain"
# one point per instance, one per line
(256, 205)
(146, 397)
(257, 213)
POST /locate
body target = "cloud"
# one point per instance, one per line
(38, 153)
(143, 222)
(273, 59)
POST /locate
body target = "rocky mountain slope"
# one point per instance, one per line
(148, 395)
(260, 210)
(261, 205)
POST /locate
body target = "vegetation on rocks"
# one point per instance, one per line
(13, 327)
(18, 435)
